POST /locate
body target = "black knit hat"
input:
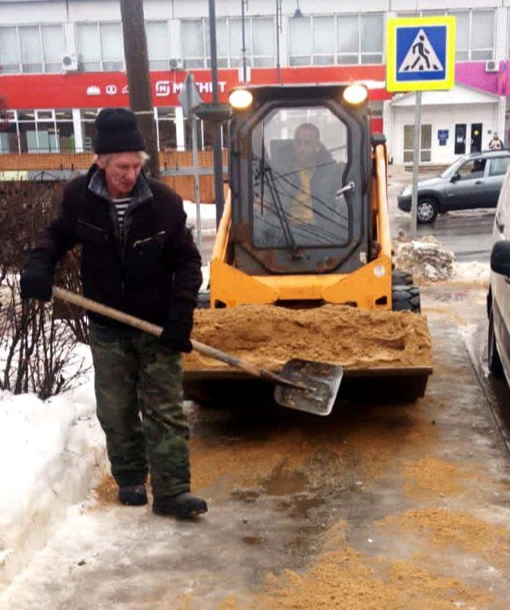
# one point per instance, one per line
(116, 131)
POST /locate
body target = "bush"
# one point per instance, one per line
(37, 340)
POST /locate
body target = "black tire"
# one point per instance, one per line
(401, 278)
(493, 359)
(204, 300)
(427, 211)
(406, 298)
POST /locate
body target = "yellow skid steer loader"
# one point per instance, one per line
(305, 227)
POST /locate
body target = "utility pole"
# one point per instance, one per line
(137, 68)
(217, 143)
(243, 39)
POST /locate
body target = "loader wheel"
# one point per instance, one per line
(493, 359)
(401, 278)
(204, 300)
(406, 298)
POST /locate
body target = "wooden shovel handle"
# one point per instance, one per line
(153, 329)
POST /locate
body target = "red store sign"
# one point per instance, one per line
(100, 89)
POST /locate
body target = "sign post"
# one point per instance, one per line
(189, 99)
(420, 57)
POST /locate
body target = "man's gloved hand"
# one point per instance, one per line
(36, 281)
(177, 330)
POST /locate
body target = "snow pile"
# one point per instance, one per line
(425, 259)
(471, 272)
(52, 453)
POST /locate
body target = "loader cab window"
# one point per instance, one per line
(299, 156)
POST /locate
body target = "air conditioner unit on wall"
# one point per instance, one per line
(491, 66)
(70, 63)
(176, 64)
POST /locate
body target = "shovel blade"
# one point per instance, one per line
(321, 382)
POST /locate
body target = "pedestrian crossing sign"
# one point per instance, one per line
(420, 54)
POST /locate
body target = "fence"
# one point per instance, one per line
(176, 168)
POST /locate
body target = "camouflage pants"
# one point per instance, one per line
(139, 397)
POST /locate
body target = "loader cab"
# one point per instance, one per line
(299, 174)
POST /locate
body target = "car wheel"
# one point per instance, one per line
(493, 359)
(427, 211)
(405, 298)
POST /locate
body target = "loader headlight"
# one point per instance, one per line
(240, 99)
(379, 271)
(355, 94)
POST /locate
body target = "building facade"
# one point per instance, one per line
(63, 60)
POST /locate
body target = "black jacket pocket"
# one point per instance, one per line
(146, 257)
(88, 233)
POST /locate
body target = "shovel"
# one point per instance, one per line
(304, 385)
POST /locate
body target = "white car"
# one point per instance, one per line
(498, 298)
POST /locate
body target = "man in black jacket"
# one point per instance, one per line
(139, 257)
(316, 174)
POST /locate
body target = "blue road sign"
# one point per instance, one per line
(420, 53)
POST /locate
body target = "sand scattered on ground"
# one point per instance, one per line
(229, 603)
(344, 580)
(385, 435)
(324, 455)
(431, 477)
(442, 527)
(268, 336)
(105, 492)
(245, 463)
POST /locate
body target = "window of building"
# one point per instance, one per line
(100, 46)
(300, 41)
(166, 129)
(8, 133)
(158, 45)
(87, 120)
(259, 42)
(425, 143)
(38, 131)
(65, 130)
(31, 48)
(193, 43)
(342, 39)
(262, 40)
(474, 32)
(222, 43)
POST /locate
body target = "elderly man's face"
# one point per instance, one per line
(306, 145)
(121, 172)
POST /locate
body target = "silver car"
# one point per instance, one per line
(498, 298)
(473, 181)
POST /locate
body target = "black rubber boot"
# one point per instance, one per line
(182, 506)
(133, 495)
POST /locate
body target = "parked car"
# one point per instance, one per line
(473, 181)
(498, 298)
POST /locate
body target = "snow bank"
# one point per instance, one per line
(52, 453)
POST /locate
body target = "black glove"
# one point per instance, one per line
(36, 281)
(177, 330)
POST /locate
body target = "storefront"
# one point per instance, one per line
(55, 113)
(453, 123)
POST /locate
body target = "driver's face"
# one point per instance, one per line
(306, 145)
